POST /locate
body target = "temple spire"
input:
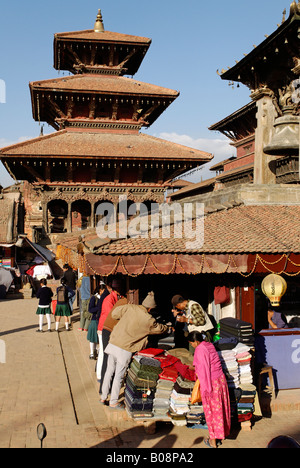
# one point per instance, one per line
(99, 27)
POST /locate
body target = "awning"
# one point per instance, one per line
(164, 264)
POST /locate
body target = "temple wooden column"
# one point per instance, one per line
(264, 165)
(69, 217)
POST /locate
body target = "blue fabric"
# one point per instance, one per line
(85, 289)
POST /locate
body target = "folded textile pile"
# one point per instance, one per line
(159, 384)
(243, 358)
(230, 367)
(181, 395)
(140, 385)
(195, 419)
(179, 403)
(237, 328)
(167, 364)
(226, 343)
(162, 395)
(145, 367)
(151, 352)
(245, 404)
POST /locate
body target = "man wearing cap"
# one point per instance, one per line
(193, 315)
(129, 336)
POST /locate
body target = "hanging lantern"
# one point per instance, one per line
(274, 287)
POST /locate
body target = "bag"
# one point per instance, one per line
(196, 393)
(221, 295)
(62, 295)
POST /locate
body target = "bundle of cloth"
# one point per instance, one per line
(230, 367)
(140, 385)
(246, 401)
(242, 331)
(243, 357)
(161, 400)
(166, 378)
(181, 395)
(195, 419)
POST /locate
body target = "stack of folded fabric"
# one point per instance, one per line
(140, 386)
(195, 419)
(138, 398)
(181, 395)
(230, 367)
(245, 405)
(167, 364)
(239, 329)
(243, 358)
(161, 400)
(151, 352)
(179, 403)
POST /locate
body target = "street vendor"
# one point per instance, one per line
(276, 318)
(193, 315)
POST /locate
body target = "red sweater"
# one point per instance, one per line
(107, 305)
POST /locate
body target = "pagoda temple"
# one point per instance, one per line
(264, 132)
(97, 152)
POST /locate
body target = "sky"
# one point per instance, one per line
(191, 40)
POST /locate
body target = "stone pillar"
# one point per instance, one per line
(69, 217)
(45, 217)
(92, 223)
(264, 165)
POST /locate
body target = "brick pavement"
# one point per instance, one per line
(49, 378)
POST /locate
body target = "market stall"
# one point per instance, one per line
(160, 383)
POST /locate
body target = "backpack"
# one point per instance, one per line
(62, 295)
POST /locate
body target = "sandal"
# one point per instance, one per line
(119, 406)
(206, 441)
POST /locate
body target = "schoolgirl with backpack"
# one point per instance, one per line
(63, 293)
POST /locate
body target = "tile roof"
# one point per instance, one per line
(191, 190)
(75, 143)
(103, 84)
(106, 36)
(268, 229)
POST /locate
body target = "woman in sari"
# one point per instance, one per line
(214, 389)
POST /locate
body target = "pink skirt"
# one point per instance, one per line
(216, 408)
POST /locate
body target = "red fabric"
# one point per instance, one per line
(185, 371)
(244, 417)
(30, 271)
(107, 305)
(221, 295)
(169, 373)
(166, 361)
(150, 352)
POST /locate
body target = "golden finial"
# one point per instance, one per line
(99, 27)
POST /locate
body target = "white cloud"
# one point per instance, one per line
(219, 148)
(5, 142)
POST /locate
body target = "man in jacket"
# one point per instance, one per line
(192, 314)
(129, 336)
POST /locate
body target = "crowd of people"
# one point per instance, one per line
(116, 330)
